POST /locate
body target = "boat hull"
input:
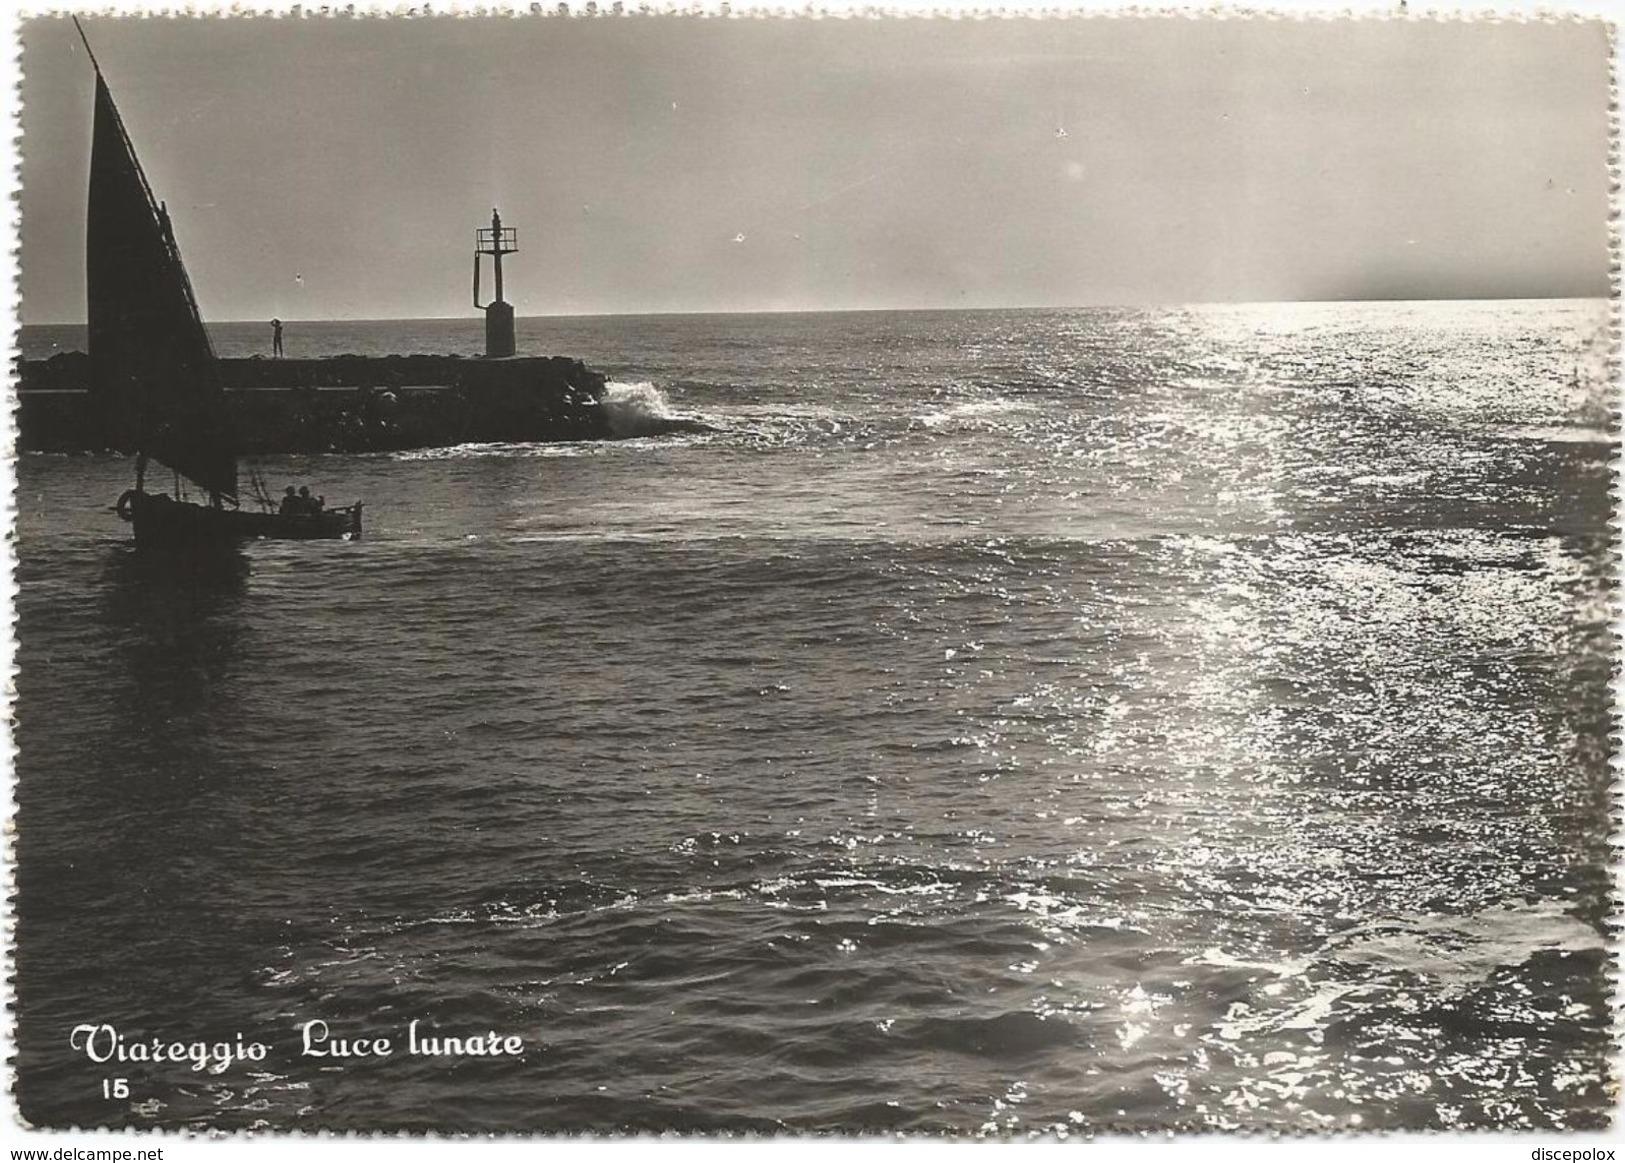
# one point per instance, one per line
(160, 520)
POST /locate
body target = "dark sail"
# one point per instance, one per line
(151, 361)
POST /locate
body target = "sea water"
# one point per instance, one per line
(1002, 722)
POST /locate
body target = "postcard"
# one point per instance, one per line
(963, 578)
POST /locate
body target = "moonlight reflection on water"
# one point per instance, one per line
(1007, 721)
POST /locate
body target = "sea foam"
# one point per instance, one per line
(636, 409)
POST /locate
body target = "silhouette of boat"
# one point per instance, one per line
(152, 364)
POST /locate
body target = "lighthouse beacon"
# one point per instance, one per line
(496, 241)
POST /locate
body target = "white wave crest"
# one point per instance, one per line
(972, 413)
(641, 409)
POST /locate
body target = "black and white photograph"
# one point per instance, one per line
(1038, 577)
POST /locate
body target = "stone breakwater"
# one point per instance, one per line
(345, 403)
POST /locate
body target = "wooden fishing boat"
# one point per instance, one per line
(158, 518)
(153, 366)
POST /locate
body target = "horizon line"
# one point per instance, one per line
(886, 310)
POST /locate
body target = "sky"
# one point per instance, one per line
(337, 167)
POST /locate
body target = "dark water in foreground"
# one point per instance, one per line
(1009, 721)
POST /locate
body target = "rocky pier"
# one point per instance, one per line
(344, 403)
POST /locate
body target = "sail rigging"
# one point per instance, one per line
(150, 357)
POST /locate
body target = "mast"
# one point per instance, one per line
(89, 52)
(152, 364)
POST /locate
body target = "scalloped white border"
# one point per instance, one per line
(1434, 1147)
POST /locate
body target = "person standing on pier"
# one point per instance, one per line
(276, 339)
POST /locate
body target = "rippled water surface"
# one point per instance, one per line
(1004, 721)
